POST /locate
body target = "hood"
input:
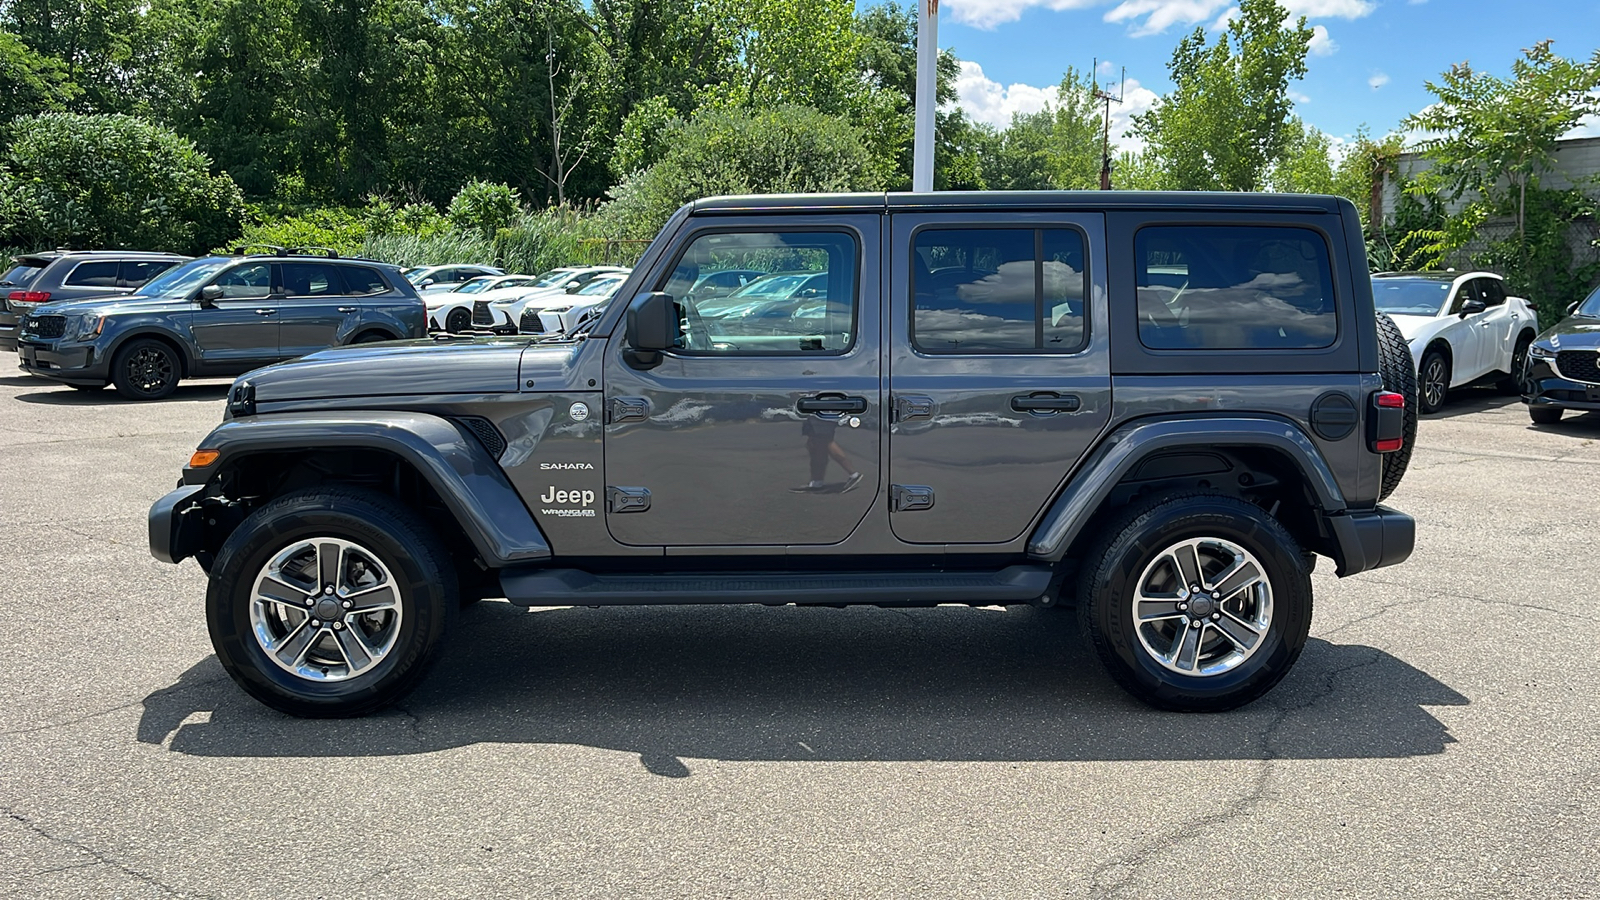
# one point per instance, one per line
(1411, 326)
(110, 304)
(408, 368)
(1574, 333)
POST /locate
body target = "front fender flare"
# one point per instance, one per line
(1132, 443)
(472, 485)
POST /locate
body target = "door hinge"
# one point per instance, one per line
(912, 406)
(627, 409)
(908, 497)
(627, 499)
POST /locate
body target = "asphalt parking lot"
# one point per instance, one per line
(1440, 736)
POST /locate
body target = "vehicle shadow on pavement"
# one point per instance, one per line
(1472, 400)
(67, 396)
(790, 684)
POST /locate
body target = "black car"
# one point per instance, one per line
(1156, 408)
(1564, 365)
(35, 279)
(220, 315)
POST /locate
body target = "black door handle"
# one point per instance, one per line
(832, 403)
(1044, 402)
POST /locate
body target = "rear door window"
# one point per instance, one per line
(311, 280)
(988, 290)
(94, 274)
(135, 272)
(1234, 287)
(360, 280)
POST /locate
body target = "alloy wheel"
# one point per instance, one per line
(1434, 383)
(149, 370)
(1203, 607)
(325, 609)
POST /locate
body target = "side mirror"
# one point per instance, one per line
(426, 282)
(572, 287)
(1472, 308)
(1572, 308)
(652, 327)
(210, 294)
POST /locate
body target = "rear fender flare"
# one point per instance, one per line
(472, 485)
(1126, 447)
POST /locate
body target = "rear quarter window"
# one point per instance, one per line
(101, 273)
(362, 280)
(1234, 287)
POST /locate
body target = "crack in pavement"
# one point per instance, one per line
(99, 857)
(1436, 595)
(1130, 863)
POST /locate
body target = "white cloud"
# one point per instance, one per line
(987, 100)
(1377, 80)
(1329, 9)
(1298, 97)
(1147, 17)
(1321, 43)
(1588, 127)
(1223, 20)
(987, 14)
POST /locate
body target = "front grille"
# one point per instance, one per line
(531, 323)
(487, 434)
(45, 326)
(481, 315)
(1579, 365)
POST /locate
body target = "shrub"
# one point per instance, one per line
(114, 181)
(336, 228)
(484, 207)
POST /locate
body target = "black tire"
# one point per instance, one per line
(459, 320)
(1130, 551)
(396, 538)
(371, 337)
(1515, 384)
(146, 369)
(1433, 381)
(1545, 415)
(1399, 373)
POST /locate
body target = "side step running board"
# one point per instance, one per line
(532, 586)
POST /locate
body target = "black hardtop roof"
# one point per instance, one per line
(1023, 201)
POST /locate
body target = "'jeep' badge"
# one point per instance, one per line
(579, 411)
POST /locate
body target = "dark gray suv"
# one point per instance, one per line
(221, 315)
(35, 279)
(1157, 408)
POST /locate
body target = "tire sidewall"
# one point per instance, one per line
(1422, 382)
(124, 381)
(1132, 551)
(424, 613)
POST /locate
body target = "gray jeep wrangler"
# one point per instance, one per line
(1156, 408)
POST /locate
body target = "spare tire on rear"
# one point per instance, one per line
(1399, 374)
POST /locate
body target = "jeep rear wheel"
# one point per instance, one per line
(1197, 603)
(330, 602)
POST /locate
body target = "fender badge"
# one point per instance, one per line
(578, 411)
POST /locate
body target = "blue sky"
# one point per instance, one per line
(1368, 64)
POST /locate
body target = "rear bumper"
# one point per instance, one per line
(1371, 539)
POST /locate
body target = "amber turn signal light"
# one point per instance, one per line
(203, 458)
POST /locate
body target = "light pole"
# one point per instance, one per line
(927, 94)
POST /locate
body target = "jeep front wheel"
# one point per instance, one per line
(330, 602)
(1197, 603)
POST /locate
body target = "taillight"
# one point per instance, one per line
(1388, 428)
(28, 296)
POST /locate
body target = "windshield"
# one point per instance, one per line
(1410, 296)
(600, 286)
(21, 274)
(774, 286)
(474, 286)
(1591, 306)
(550, 278)
(184, 279)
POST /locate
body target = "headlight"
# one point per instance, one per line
(1538, 352)
(89, 327)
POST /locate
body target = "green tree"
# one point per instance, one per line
(1494, 137)
(1056, 148)
(115, 181)
(31, 83)
(784, 149)
(94, 41)
(1306, 163)
(484, 207)
(1227, 121)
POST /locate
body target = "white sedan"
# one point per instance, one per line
(502, 311)
(451, 310)
(586, 304)
(1462, 327)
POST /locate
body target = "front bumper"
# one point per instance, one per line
(1371, 539)
(177, 530)
(64, 362)
(1550, 389)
